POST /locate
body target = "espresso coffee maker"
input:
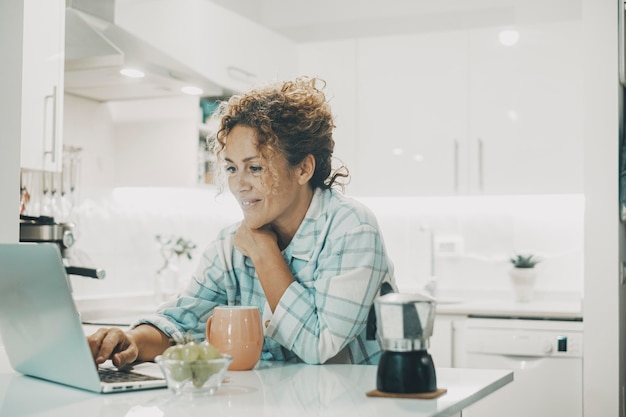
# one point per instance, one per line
(405, 323)
(42, 229)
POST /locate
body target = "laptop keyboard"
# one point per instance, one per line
(116, 375)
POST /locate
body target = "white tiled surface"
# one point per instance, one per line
(117, 228)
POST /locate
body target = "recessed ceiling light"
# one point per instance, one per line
(132, 73)
(508, 37)
(192, 90)
(397, 151)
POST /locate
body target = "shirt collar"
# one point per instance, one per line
(303, 242)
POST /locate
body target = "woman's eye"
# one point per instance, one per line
(229, 169)
(256, 169)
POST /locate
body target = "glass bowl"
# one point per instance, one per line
(199, 377)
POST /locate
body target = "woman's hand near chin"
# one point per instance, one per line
(261, 246)
(255, 242)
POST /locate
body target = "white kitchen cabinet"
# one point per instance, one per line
(444, 339)
(229, 49)
(335, 63)
(525, 110)
(42, 84)
(412, 114)
(372, 88)
(460, 113)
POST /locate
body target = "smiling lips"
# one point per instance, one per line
(248, 203)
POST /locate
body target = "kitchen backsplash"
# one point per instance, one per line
(144, 143)
(473, 236)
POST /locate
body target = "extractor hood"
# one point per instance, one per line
(96, 50)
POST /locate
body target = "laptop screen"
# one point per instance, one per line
(40, 326)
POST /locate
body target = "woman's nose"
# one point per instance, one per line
(240, 182)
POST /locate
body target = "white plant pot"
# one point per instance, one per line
(523, 280)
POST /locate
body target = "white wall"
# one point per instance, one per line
(118, 229)
(10, 117)
(603, 368)
(488, 230)
(134, 142)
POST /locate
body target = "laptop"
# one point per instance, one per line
(41, 329)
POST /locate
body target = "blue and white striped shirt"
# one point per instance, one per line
(338, 260)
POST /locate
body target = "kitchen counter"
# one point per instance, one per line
(125, 310)
(544, 305)
(271, 389)
(538, 309)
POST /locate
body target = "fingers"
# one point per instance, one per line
(112, 344)
(248, 241)
(95, 343)
(124, 357)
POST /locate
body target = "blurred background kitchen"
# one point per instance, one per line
(474, 130)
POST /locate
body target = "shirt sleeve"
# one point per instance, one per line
(316, 319)
(209, 286)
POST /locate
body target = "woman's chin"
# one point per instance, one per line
(253, 223)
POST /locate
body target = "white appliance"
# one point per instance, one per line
(545, 355)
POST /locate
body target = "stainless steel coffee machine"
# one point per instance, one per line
(45, 229)
(405, 323)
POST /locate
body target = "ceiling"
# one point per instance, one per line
(316, 20)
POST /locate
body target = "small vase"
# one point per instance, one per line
(523, 280)
(166, 285)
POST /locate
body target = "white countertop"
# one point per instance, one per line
(488, 307)
(124, 310)
(544, 305)
(271, 389)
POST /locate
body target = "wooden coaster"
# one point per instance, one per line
(419, 396)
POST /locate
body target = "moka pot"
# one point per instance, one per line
(405, 323)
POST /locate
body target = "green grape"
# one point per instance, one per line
(180, 371)
(202, 371)
(173, 353)
(190, 351)
(187, 362)
(208, 351)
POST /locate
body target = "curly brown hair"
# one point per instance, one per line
(292, 118)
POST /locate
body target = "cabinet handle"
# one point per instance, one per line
(52, 97)
(480, 164)
(456, 165)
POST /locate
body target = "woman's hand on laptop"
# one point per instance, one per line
(112, 344)
(143, 343)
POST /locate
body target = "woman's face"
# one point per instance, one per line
(251, 182)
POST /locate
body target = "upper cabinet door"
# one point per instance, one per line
(232, 51)
(334, 62)
(412, 104)
(42, 84)
(462, 113)
(526, 129)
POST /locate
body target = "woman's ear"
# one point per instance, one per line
(306, 169)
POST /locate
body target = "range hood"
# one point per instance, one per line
(96, 50)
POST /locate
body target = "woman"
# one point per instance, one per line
(311, 259)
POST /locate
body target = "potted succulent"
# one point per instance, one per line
(523, 276)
